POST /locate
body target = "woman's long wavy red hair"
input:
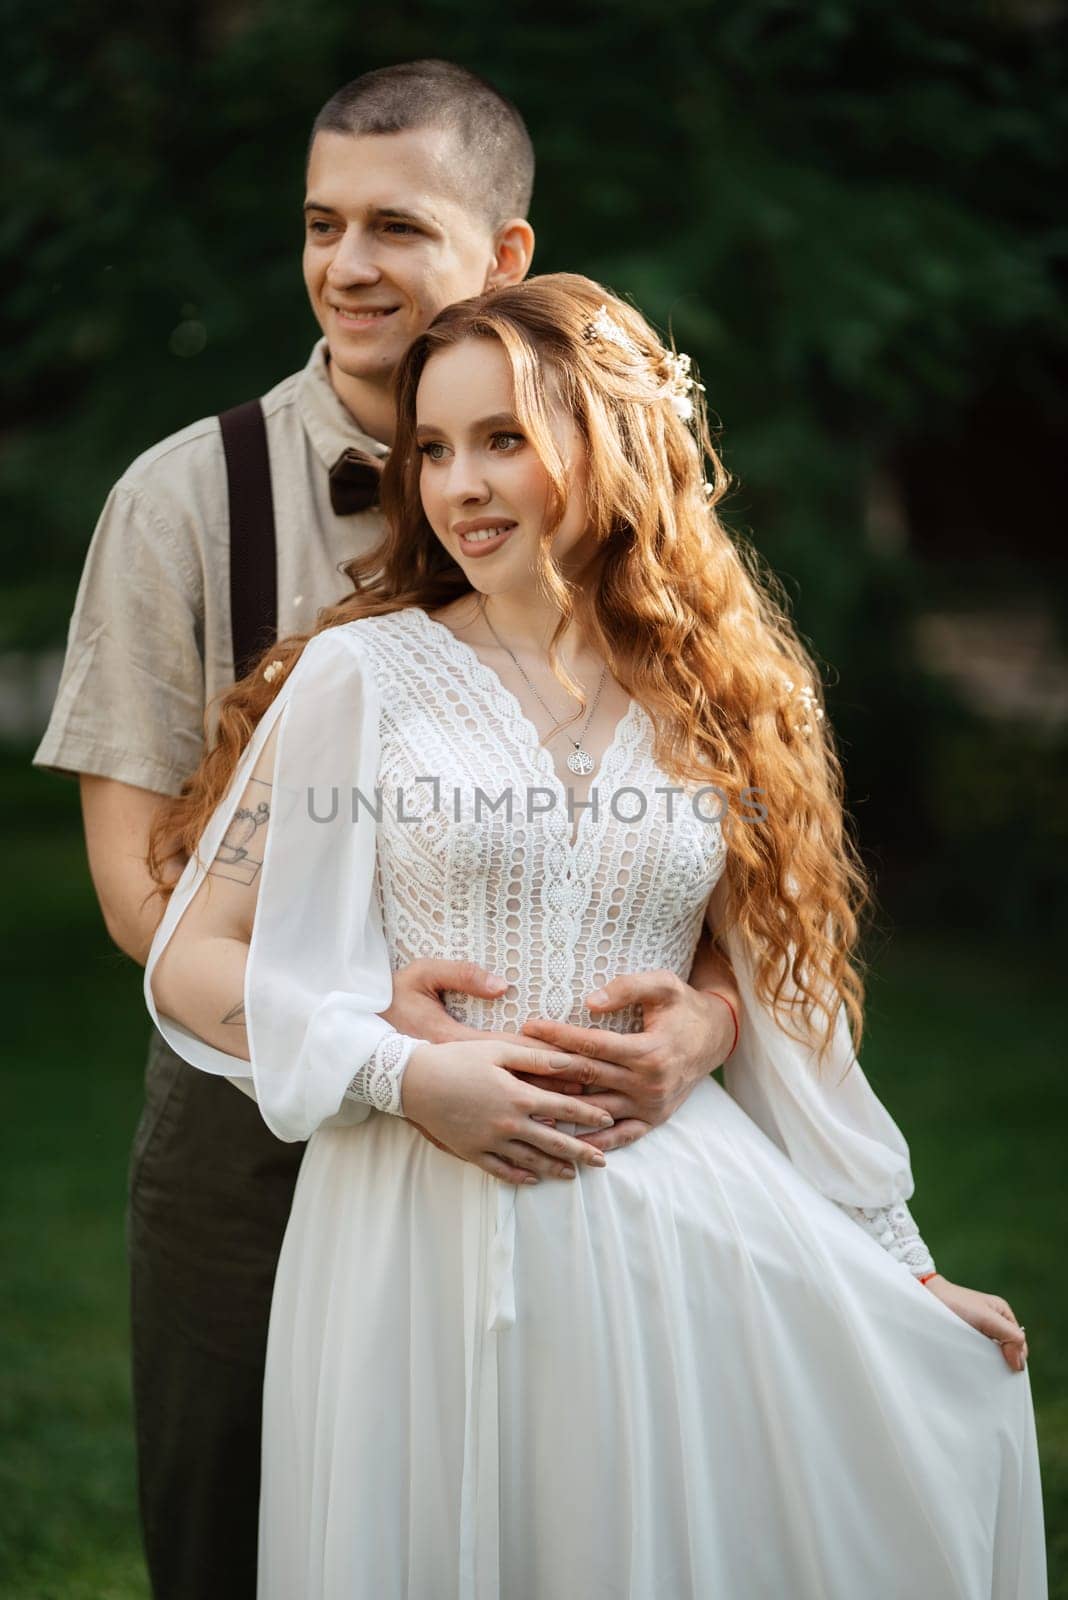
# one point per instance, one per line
(689, 618)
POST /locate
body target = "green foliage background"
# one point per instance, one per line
(851, 213)
(848, 211)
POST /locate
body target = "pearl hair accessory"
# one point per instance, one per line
(677, 390)
(272, 670)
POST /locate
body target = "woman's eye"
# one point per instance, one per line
(506, 441)
(431, 451)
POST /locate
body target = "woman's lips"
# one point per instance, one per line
(484, 547)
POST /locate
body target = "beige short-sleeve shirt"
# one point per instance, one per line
(149, 644)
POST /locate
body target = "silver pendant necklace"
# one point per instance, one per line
(579, 761)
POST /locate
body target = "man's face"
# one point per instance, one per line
(388, 243)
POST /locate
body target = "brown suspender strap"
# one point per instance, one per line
(253, 558)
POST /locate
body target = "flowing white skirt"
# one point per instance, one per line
(686, 1375)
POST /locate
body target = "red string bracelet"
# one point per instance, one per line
(926, 1276)
(734, 1019)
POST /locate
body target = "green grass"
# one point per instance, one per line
(76, 1033)
(964, 1046)
(967, 1049)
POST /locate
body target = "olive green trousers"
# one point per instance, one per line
(210, 1191)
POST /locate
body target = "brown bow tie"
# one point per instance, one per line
(354, 480)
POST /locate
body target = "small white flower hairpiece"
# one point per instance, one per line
(605, 326)
(680, 384)
(679, 389)
(807, 696)
(273, 669)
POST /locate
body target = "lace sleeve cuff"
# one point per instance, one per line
(378, 1082)
(895, 1229)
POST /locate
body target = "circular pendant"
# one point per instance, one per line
(580, 761)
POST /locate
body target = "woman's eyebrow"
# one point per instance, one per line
(499, 419)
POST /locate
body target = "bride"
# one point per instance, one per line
(684, 1371)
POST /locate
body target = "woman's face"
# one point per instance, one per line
(484, 490)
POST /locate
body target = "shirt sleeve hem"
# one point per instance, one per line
(70, 756)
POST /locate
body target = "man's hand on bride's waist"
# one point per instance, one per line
(640, 1078)
(643, 1078)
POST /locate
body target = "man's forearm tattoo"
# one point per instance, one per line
(240, 855)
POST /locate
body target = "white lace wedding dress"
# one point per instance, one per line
(688, 1375)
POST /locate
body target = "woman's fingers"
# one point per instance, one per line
(519, 1163)
(515, 1040)
(526, 1156)
(551, 1142)
(507, 1171)
(584, 1041)
(561, 1064)
(559, 1108)
(551, 1103)
(989, 1314)
(1008, 1334)
(618, 1106)
(536, 1083)
(627, 1130)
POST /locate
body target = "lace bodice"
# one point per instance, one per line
(481, 860)
(483, 855)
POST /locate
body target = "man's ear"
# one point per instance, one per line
(513, 251)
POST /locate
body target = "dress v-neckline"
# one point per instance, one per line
(498, 690)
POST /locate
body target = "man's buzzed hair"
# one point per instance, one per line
(490, 134)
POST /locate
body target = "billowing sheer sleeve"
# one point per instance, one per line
(318, 973)
(829, 1121)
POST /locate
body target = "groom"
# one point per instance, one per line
(418, 185)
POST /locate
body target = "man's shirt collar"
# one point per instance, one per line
(329, 424)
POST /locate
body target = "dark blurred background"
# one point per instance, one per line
(852, 214)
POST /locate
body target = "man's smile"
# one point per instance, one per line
(360, 316)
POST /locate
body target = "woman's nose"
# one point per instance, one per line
(466, 483)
